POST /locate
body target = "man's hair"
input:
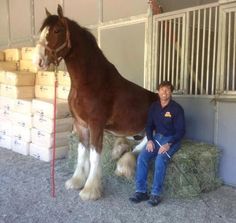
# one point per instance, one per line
(166, 84)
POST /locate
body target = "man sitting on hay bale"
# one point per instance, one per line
(166, 120)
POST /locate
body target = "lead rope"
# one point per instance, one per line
(53, 194)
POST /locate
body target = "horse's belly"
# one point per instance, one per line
(126, 127)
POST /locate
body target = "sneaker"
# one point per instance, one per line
(138, 197)
(154, 200)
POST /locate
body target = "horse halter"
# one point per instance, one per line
(66, 44)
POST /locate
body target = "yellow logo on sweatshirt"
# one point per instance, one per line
(168, 115)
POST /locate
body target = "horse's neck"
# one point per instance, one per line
(76, 70)
(82, 68)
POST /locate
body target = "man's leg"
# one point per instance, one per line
(141, 175)
(161, 163)
(142, 169)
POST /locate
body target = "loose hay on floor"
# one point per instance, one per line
(196, 171)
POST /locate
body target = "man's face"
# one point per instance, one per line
(165, 93)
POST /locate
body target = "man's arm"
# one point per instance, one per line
(150, 124)
(179, 125)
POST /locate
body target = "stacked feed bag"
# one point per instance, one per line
(17, 91)
(6, 126)
(44, 85)
(63, 84)
(16, 123)
(17, 84)
(13, 54)
(25, 62)
(2, 55)
(9, 59)
(22, 120)
(43, 129)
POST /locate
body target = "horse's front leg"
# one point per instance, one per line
(93, 187)
(77, 181)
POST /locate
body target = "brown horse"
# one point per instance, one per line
(100, 98)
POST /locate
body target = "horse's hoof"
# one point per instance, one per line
(91, 193)
(126, 165)
(74, 183)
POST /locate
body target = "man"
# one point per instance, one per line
(164, 129)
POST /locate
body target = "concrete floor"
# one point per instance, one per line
(25, 197)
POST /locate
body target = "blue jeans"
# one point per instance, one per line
(161, 161)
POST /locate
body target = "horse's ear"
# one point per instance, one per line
(59, 11)
(47, 12)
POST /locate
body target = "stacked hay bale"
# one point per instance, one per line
(196, 171)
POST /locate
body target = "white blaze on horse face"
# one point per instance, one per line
(39, 57)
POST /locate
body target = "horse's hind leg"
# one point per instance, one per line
(80, 175)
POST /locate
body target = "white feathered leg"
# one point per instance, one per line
(137, 149)
(77, 181)
(93, 187)
(127, 163)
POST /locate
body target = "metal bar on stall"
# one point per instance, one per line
(177, 58)
(208, 50)
(186, 34)
(169, 47)
(161, 56)
(154, 52)
(192, 52)
(203, 50)
(228, 53)
(173, 52)
(214, 53)
(184, 49)
(164, 53)
(197, 53)
(234, 54)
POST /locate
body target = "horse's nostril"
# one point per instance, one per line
(40, 62)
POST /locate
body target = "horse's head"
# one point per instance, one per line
(54, 41)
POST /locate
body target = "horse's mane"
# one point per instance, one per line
(49, 21)
(53, 19)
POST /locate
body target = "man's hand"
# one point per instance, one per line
(150, 146)
(164, 148)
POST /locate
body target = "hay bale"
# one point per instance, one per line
(198, 164)
(72, 152)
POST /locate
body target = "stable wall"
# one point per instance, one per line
(213, 122)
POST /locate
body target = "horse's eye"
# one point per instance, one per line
(57, 30)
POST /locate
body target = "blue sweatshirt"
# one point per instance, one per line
(168, 121)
